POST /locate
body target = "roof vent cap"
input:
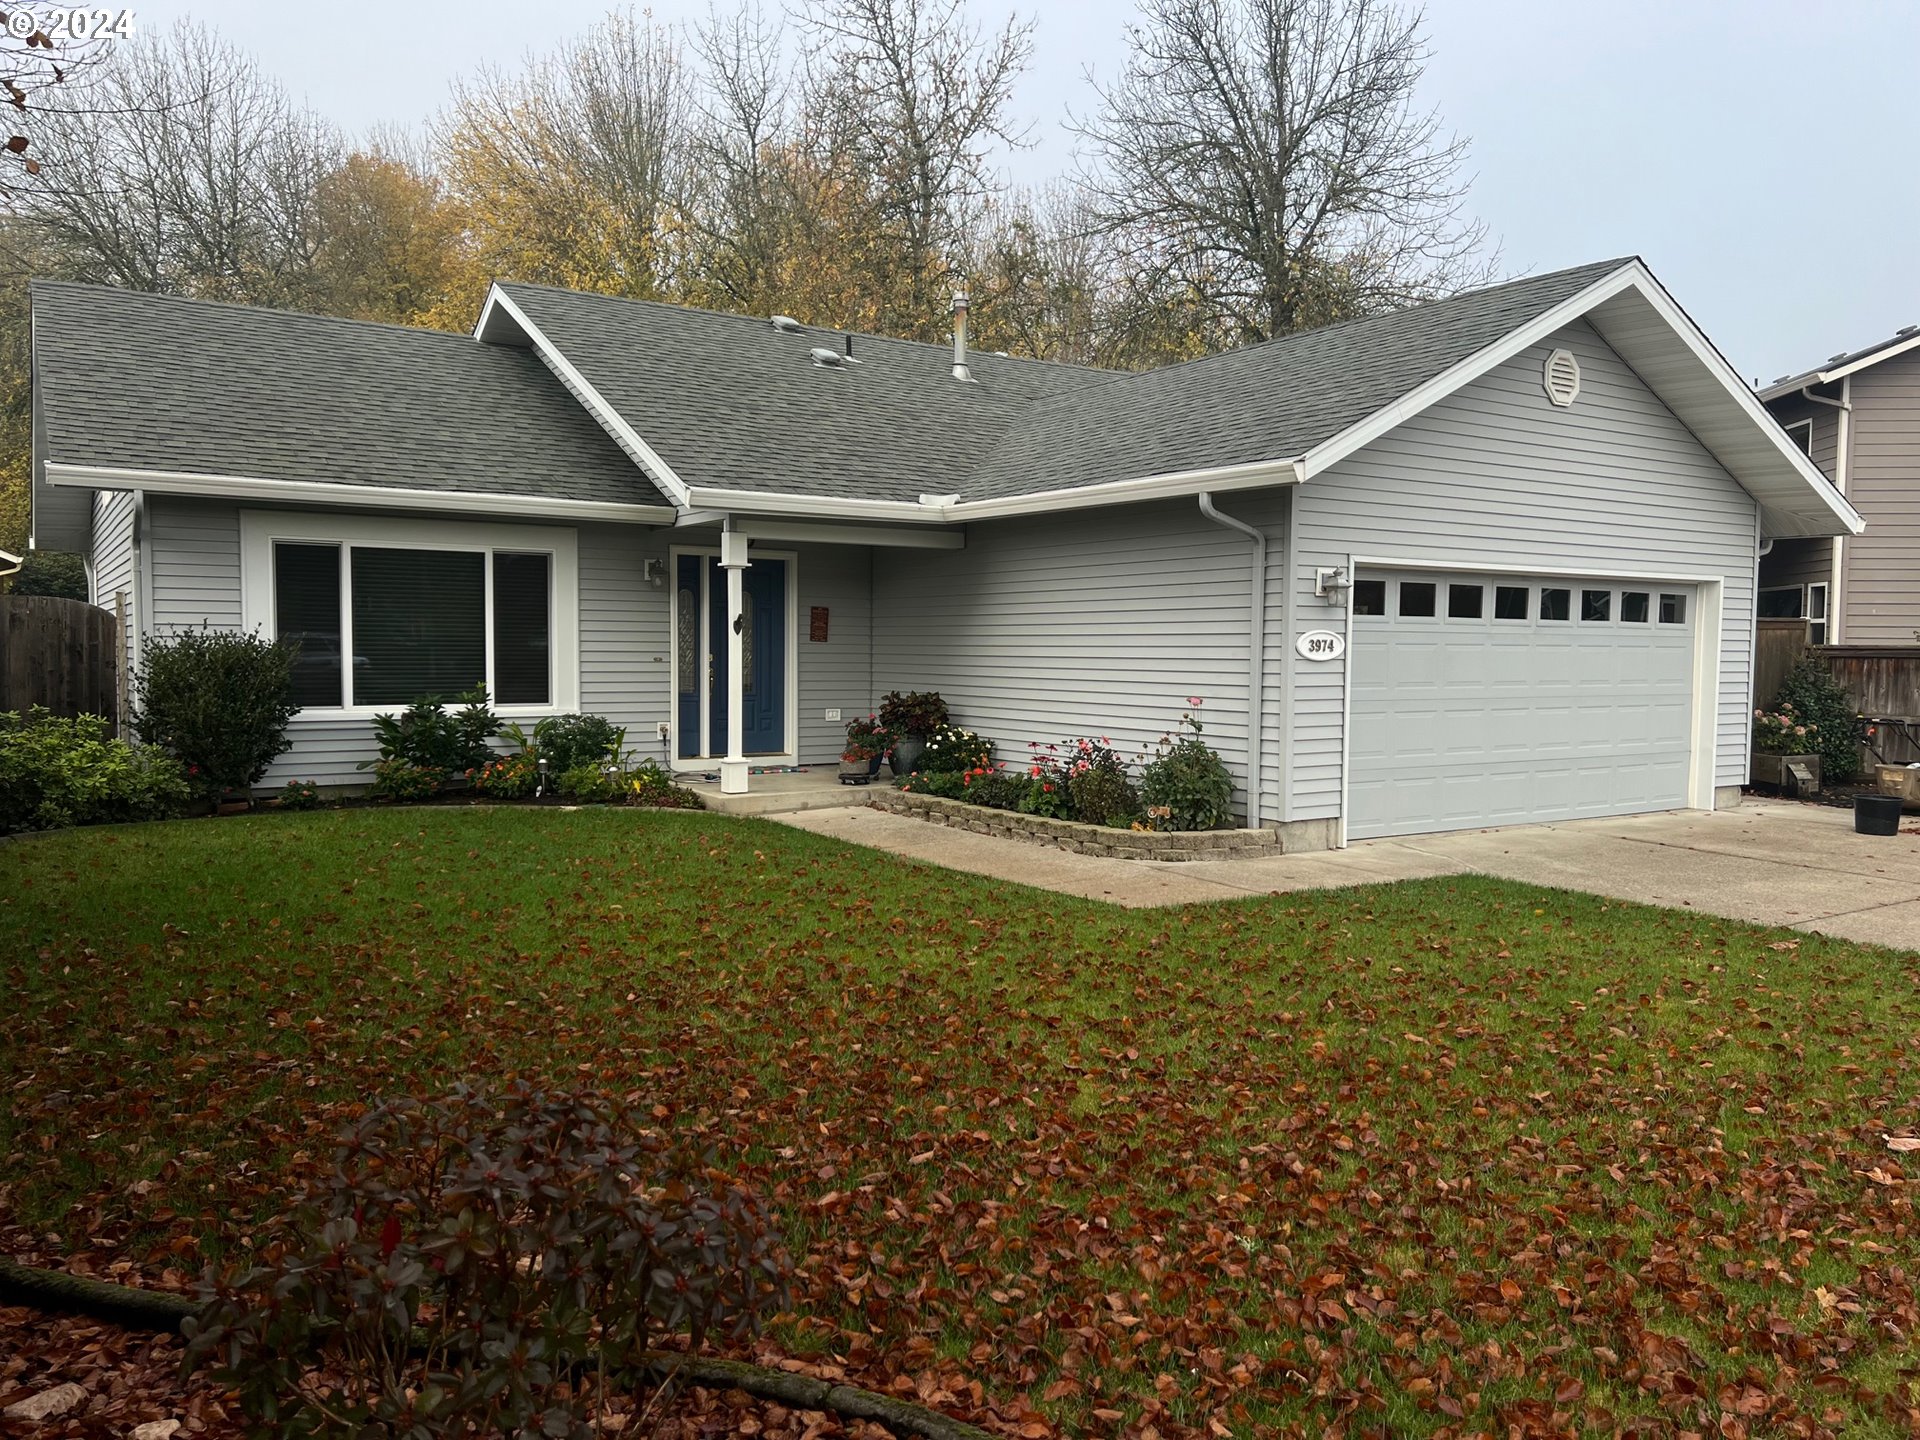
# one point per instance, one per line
(1908, 330)
(831, 359)
(1561, 377)
(788, 324)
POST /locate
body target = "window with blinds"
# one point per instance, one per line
(414, 622)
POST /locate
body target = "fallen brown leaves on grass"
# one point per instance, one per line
(1452, 1158)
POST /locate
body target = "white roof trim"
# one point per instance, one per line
(596, 404)
(1813, 507)
(1174, 485)
(378, 497)
(1795, 383)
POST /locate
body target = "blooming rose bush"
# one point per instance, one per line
(1784, 732)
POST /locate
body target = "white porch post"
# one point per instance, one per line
(733, 769)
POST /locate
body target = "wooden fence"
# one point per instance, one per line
(1777, 648)
(63, 654)
(1883, 681)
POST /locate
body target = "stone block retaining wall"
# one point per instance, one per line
(1099, 840)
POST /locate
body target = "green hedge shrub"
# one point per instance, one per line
(56, 771)
(428, 735)
(1186, 786)
(219, 700)
(1819, 701)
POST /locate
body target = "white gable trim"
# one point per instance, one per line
(610, 420)
(1634, 279)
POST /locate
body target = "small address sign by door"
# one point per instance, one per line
(1321, 645)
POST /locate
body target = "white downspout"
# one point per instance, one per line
(1842, 447)
(1256, 648)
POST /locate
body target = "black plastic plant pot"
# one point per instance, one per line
(1876, 814)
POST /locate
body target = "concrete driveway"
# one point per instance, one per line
(1766, 861)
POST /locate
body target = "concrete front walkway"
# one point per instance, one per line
(1766, 861)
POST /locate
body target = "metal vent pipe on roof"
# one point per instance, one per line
(960, 367)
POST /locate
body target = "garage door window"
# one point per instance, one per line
(1510, 602)
(1416, 597)
(1369, 597)
(1465, 602)
(1635, 606)
(1673, 609)
(1556, 604)
(1596, 605)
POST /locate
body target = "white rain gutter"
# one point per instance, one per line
(1256, 647)
(1842, 444)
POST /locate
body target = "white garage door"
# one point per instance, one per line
(1501, 700)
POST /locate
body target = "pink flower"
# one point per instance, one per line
(1193, 700)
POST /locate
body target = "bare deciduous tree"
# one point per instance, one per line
(911, 98)
(1270, 168)
(180, 168)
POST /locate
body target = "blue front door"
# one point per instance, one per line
(701, 623)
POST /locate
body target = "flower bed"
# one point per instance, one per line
(1101, 840)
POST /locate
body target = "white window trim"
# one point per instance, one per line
(260, 529)
(1806, 425)
(1824, 620)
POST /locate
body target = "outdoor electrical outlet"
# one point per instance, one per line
(833, 714)
(661, 730)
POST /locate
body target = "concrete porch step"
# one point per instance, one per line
(818, 788)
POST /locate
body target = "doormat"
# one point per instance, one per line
(714, 775)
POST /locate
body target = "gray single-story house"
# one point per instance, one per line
(1484, 561)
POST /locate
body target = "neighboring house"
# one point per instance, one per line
(1482, 561)
(1858, 416)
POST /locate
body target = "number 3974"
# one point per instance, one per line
(77, 23)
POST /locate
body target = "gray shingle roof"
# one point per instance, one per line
(1274, 401)
(149, 382)
(731, 403)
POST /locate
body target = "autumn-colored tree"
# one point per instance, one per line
(572, 172)
(388, 244)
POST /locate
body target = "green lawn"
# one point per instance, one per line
(1451, 1156)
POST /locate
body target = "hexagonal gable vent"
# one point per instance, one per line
(1561, 376)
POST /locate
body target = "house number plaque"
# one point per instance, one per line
(1321, 645)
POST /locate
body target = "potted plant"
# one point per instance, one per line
(868, 742)
(910, 718)
(1783, 738)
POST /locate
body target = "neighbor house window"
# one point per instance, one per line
(1817, 614)
(381, 621)
(1801, 433)
(1785, 602)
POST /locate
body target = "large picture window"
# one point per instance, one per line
(382, 622)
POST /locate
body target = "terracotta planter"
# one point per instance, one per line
(859, 772)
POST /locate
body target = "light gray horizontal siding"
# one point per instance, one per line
(195, 561)
(110, 559)
(836, 673)
(1095, 622)
(193, 552)
(1881, 600)
(1496, 474)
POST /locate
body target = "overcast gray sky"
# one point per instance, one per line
(1760, 154)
